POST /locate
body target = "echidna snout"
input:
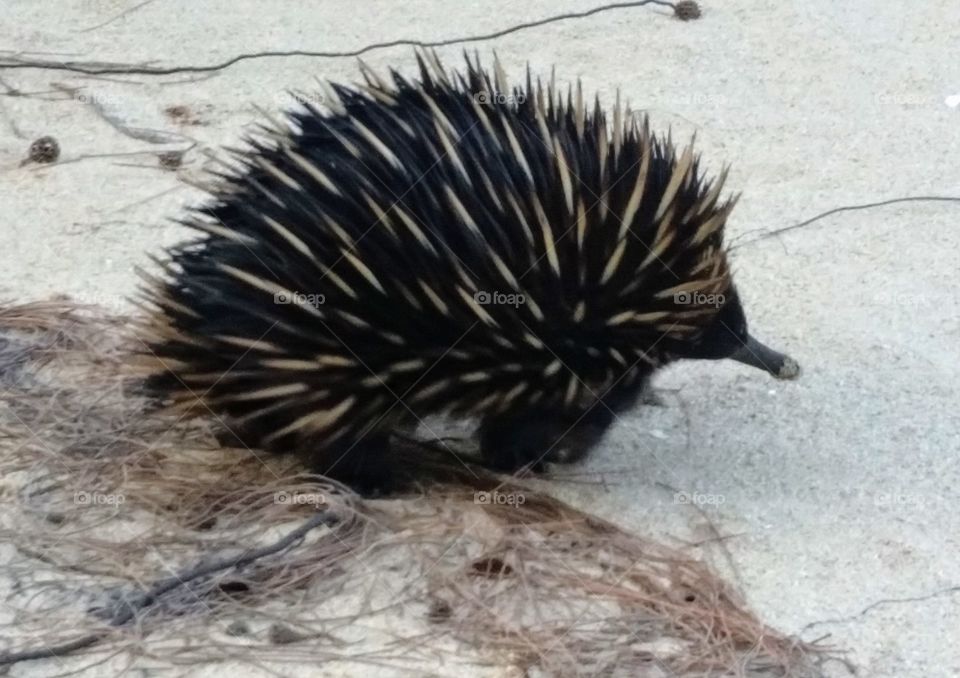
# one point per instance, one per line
(727, 336)
(757, 354)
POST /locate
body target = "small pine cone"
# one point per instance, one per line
(687, 10)
(44, 150)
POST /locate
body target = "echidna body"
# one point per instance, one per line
(445, 244)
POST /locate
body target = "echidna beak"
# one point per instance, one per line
(756, 354)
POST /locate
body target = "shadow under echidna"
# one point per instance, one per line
(444, 245)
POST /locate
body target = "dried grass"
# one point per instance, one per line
(103, 499)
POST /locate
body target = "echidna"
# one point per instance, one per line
(445, 244)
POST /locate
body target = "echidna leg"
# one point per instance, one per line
(588, 427)
(584, 431)
(510, 442)
(364, 465)
(530, 439)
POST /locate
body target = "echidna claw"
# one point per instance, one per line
(756, 354)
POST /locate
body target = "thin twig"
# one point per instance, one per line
(116, 17)
(845, 208)
(11, 122)
(99, 68)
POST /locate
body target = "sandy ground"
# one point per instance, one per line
(838, 491)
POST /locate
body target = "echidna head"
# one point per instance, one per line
(727, 336)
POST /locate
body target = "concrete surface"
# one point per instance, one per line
(839, 490)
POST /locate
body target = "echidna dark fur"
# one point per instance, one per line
(445, 245)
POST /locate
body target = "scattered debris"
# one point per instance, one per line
(281, 634)
(238, 628)
(439, 611)
(182, 115)
(170, 160)
(44, 150)
(490, 567)
(687, 10)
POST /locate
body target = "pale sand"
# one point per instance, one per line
(841, 487)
